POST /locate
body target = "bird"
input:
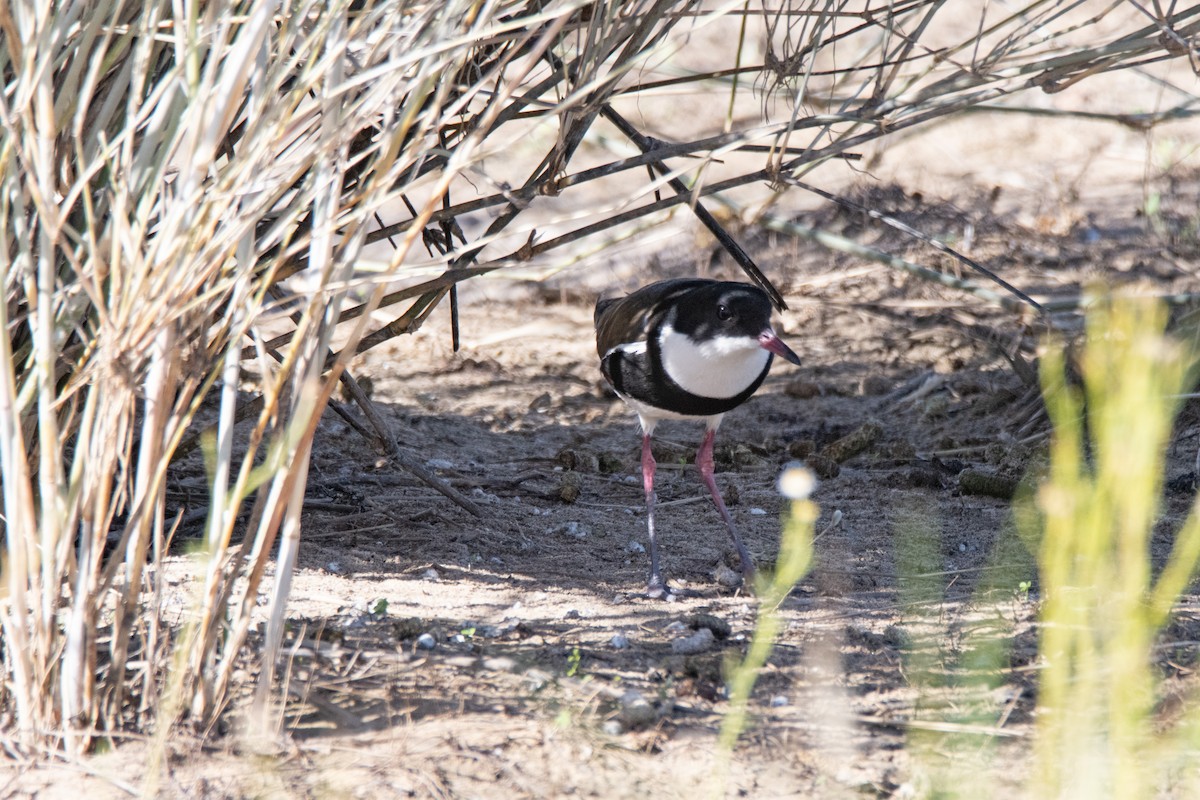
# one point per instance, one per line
(687, 348)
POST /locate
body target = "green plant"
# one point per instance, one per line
(1102, 605)
(574, 661)
(794, 559)
(1023, 588)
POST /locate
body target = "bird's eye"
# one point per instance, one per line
(723, 313)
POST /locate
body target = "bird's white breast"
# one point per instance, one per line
(720, 368)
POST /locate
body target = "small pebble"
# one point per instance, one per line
(573, 529)
(335, 567)
(720, 628)
(426, 641)
(611, 727)
(726, 577)
(619, 642)
(636, 711)
(635, 546)
(439, 463)
(778, 701)
(698, 642)
(536, 679)
(431, 574)
(758, 512)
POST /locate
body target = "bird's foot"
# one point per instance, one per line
(749, 576)
(657, 589)
(749, 581)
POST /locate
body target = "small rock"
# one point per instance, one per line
(537, 679)
(439, 463)
(636, 711)
(635, 546)
(720, 628)
(426, 641)
(778, 701)
(619, 642)
(729, 578)
(758, 512)
(611, 727)
(698, 642)
(335, 567)
(574, 529)
(430, 574)
(500, 664)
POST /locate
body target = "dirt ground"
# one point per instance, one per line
(550, 674)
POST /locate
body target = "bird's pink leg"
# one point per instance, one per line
(656, 586)
(704, 460)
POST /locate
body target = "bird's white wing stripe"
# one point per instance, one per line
(633, 348)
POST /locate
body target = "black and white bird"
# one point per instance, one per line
(687, 348)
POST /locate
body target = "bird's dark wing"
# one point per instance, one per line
(624, 320)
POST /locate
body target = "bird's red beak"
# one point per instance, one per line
(772, 343)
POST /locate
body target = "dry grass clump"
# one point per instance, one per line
(180, 183)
